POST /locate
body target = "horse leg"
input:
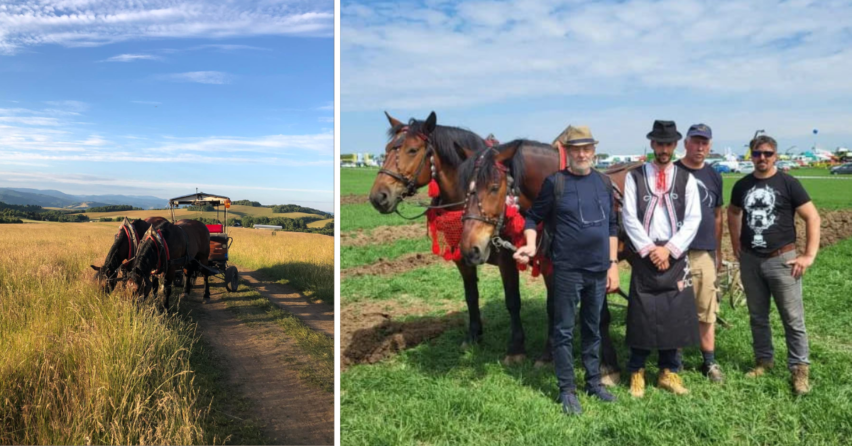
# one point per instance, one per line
(167, 288)
(204, 261)
(187, 284)
(610, 372)
(547, 355)
(512, 290)
(471, 296)
(155, 285)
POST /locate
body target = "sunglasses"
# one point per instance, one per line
(765, 154)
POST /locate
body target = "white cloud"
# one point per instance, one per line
(131, 58)
(99, 22)
(201, 77)
(473, 53)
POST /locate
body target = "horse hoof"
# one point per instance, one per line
(514, 359)
(610, 378)
(539, 363)
(206, 297)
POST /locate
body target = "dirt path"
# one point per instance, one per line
(398, 265)
(318, 316)
(262, 364)
(382, 235)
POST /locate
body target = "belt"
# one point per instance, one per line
(776, 253)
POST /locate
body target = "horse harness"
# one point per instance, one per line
(497, 222)
(410, 183)
(162, 265)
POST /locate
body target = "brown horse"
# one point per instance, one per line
(124, 248)
(518, 169)
(166, 248)
(418, 152)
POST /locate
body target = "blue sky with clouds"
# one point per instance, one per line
(528, 68)
(236, 98)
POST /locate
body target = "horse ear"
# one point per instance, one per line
(463, 152)
(393, 121)
(96, 268)
(431, 122)
(507, 151)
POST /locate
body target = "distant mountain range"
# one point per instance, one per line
(57, 199)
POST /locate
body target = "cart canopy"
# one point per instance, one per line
(199, 198)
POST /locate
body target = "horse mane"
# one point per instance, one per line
(488, 166)
(442, 139)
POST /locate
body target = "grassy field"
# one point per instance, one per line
(78, 367)
(437, 393)
(303, 260)
(320, 223)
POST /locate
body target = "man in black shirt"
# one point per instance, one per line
(584, 253)
(761, 219)
(705, 254)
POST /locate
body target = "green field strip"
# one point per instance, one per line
(351, 256)
(357, 181)
(364, 216)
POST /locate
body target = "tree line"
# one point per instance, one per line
(11, 213)
(113, 208)
(287, 208)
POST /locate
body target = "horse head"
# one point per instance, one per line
(488, 183)
(407, 165)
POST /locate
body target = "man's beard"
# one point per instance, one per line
(580, 168)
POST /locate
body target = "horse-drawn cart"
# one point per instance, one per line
(220, 242)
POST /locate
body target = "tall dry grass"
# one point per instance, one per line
(304, 260)
(77, 367)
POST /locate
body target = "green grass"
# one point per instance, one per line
(364, 216)
(826, 194)
(439, 394)
(357, 181)
(351, 256)
(256, 310)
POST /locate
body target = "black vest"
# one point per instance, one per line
(674, 199)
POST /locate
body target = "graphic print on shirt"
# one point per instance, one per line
(707, 197)
(759, 205)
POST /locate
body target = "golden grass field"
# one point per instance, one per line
(304, 260)
(235, 210)
(79, 367)
(320, 223)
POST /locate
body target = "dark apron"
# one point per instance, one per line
(661, 312)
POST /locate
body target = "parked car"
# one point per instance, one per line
(746, 167)
(843, 169)
(785, 166)
(721, 168)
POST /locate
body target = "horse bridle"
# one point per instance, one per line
(409, 183)
(472, 195)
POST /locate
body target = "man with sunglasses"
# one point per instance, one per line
(705, 254)
(583, 254)
(661, 215)
(761, 220)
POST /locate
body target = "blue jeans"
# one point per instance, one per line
(588, 290)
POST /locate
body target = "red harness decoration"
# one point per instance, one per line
(157, 246)
(445, 228)
(129, 243)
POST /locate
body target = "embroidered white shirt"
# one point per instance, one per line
(660, 225)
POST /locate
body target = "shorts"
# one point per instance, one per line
(702, 265)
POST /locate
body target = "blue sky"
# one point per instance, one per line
(529, 68)
(115, 97)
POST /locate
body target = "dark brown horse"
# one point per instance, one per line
(166, 248)
(518, 169)
(124, 248)
(418, 152)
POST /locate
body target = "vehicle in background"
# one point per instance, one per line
(746, 167)
(721, 167)
(843, 169)
(786, 166)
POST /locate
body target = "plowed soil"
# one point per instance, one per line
(369, 333)
(396, 266)
(382, 235)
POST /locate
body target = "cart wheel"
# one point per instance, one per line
(232, 279)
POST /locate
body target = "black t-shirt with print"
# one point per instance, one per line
(769, 210)
(710, 192)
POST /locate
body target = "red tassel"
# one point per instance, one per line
(511, 211)
(434, 189)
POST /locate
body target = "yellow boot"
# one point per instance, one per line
(800, 379)
(763, 366)
(670, 381)
(637, 383)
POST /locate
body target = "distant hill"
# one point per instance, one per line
(57, 199)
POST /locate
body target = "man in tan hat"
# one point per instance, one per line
(583, 253)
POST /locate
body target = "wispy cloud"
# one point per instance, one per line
(147, 102)
(132, 58)
(99, 22)
(229, 47)
(201, 77)
(326, 119)
(326, 107)
(472, 53)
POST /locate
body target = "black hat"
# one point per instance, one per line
(664, 131)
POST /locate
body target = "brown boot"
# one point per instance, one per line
(800, 379)
(610, 377)
(763, 366)
(670, 381)
(637, 383)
